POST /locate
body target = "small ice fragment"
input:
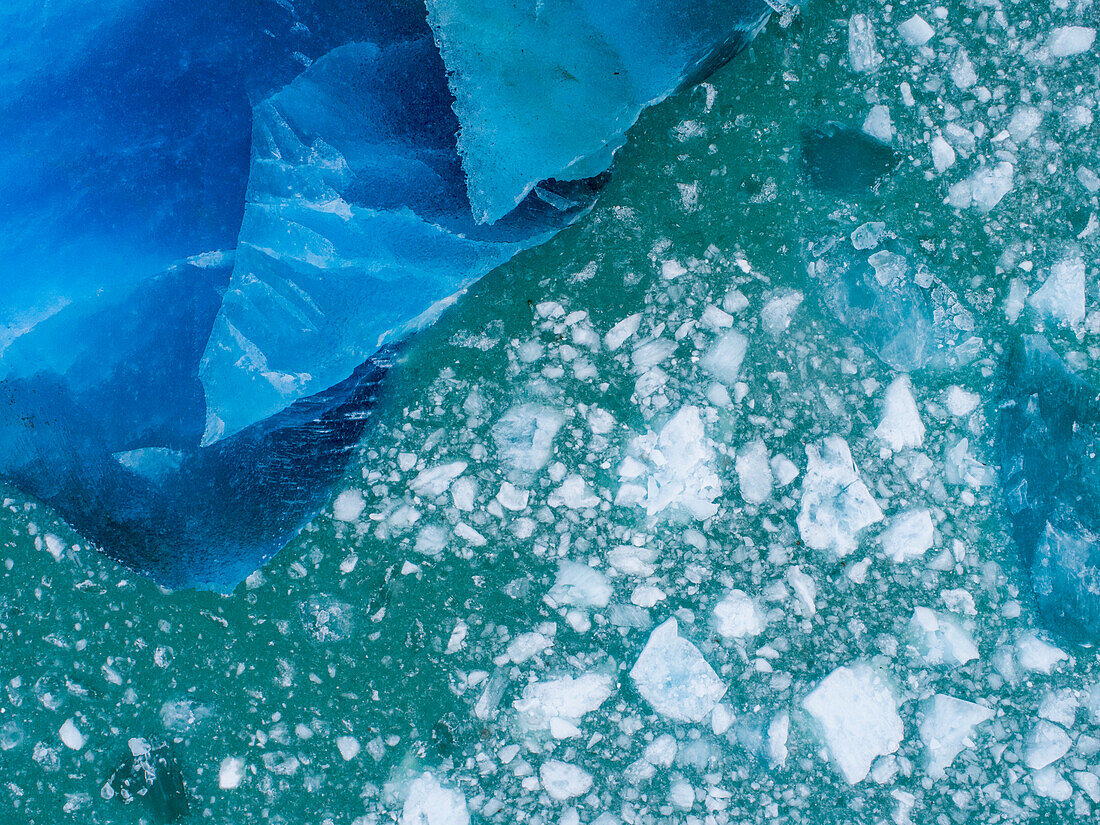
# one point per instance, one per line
(527, 645)
(915, 31)
(435, 481)
(723, 360)
(908, 535)
(947, 728)
(959, 402)
(738, 616)
(836, 504)
(564, 781)
(1067, 41)
(776, 314)
(681, 456)
(618, 334)
(1046, 744)
(943, 156)
(1025, 120)
(1062, 295)
(984, 189)
(348, 747)
(784, 471)
(862, 53)
(805, 590)
(512, 498)
(230, 773)
(71, 736)
(348, 506)
(524, 437)
(565, 698)
(580, 586)
(430, 803)
(941, 640)
(858, 717)
(672, 675)
(868, 235)
(778, 731)
(754, 472)
(1037, 656)
(901, 425)
(878, 123)
(962, 71)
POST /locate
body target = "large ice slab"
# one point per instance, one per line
(672, 675)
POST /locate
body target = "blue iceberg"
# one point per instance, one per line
(1049, 439)
(224, 221)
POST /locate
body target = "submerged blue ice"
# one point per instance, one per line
(1050, 438)
(223, 220)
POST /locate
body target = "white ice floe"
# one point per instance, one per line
(959, 402)
(524, 437)
(863, 54)
(580, 586)
(435, 481)
(901, 425)
(564, 781)
(947, 728)
(680, 469)
(754, 472)
(348, 506)
(566, 698)
(940, 639)
(430, 803)
(1037, 656)
(1045, 745)
(776, 314)
(1067, 41)
(230, 773)
(1025, 120)
(984, 189)
(1062, 295)
(908, 535)
(725, 357)
(573, 494)
(943, 155)
(857, 714)
(878, 123)
(619, 333)
(672, 675)
(915, 31)
(348, 747)
(71, 736)
(836, 504)
(738, 616)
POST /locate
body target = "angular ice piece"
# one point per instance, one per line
(1046, 744)
(565, 698)
(862, 53)
(836, 504)
(915, 31)
(947, 728)
(754, 472)
(984, 189)
(1062, 295)
(430, 803)
(901, 426)
(1067, 41)
(563, 781)
(1036, 655)
(1049, 435)
(71, 735)
(893, 303)
(940, 639)
(579, 585)
(738, 616)
(858, 718)
(681, 457)
(548, 90)
(672, 675)
(525, 437)
(878, 123)
(723, 360)
(908, 535)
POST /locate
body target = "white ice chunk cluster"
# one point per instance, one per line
(566, 698)
(738, 616)
(1062, 295)
(836, 504)
(941, 640)
(908, 535)
(984, 189)
(858, 718)
(901, 425)
(430, 803)
(672, 675)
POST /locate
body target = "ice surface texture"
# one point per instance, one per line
(223, 219)
(1050, 433)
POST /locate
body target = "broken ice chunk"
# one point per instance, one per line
(858, 718)
(71, 736)
(940, 639)
(563, 781)
(1036, 655)
(947, 728)
(915, 31)
(525, 437)
(901, 426)
(430, 803)
(672, 675)
(579, 585)
(754, 472)
(738, 616)
(723, 360)
(1067, 41)
(435, 481)
(984, 189)
(681, 474)
(776, 313)
(1062, 295)
(878, 124)
(836, 504)
(1046, 744)
(565, 698)
(908, 535)
(862, 53)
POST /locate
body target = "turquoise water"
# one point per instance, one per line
(402, 634)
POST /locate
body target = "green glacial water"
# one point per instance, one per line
(647, 419)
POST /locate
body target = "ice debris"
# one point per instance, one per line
(672, 675)
(836, 504)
